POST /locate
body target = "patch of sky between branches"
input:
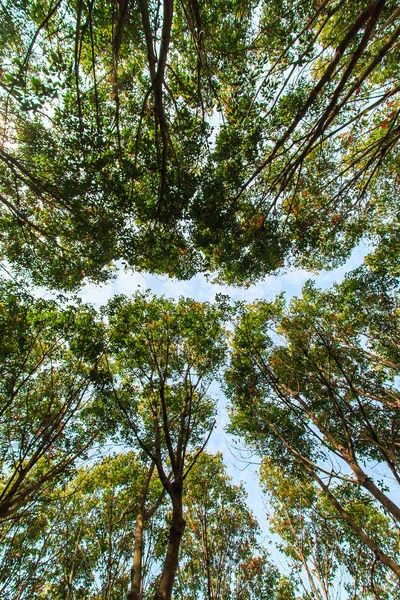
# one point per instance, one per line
(200, 289)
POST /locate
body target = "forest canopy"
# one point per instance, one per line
(231, 137)
(236, 139)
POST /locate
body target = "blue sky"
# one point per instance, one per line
(200, 289)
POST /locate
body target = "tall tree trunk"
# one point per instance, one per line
(136, 572)
(164, 590)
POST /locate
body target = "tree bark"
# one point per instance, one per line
(135, 592)
(136, 572)
(164, 590)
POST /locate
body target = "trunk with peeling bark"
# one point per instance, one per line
(164, 590)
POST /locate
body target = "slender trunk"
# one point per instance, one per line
(206, 556)
(136, 572)
(384, 558)
(164, 590)
(369, 485)
(349, 456)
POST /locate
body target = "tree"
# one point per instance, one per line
(105, 131)
(144, 513)
(305, 160)
(80, 543)
(164, 356)
(315, 388)
(236, 137)
(50, 358)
